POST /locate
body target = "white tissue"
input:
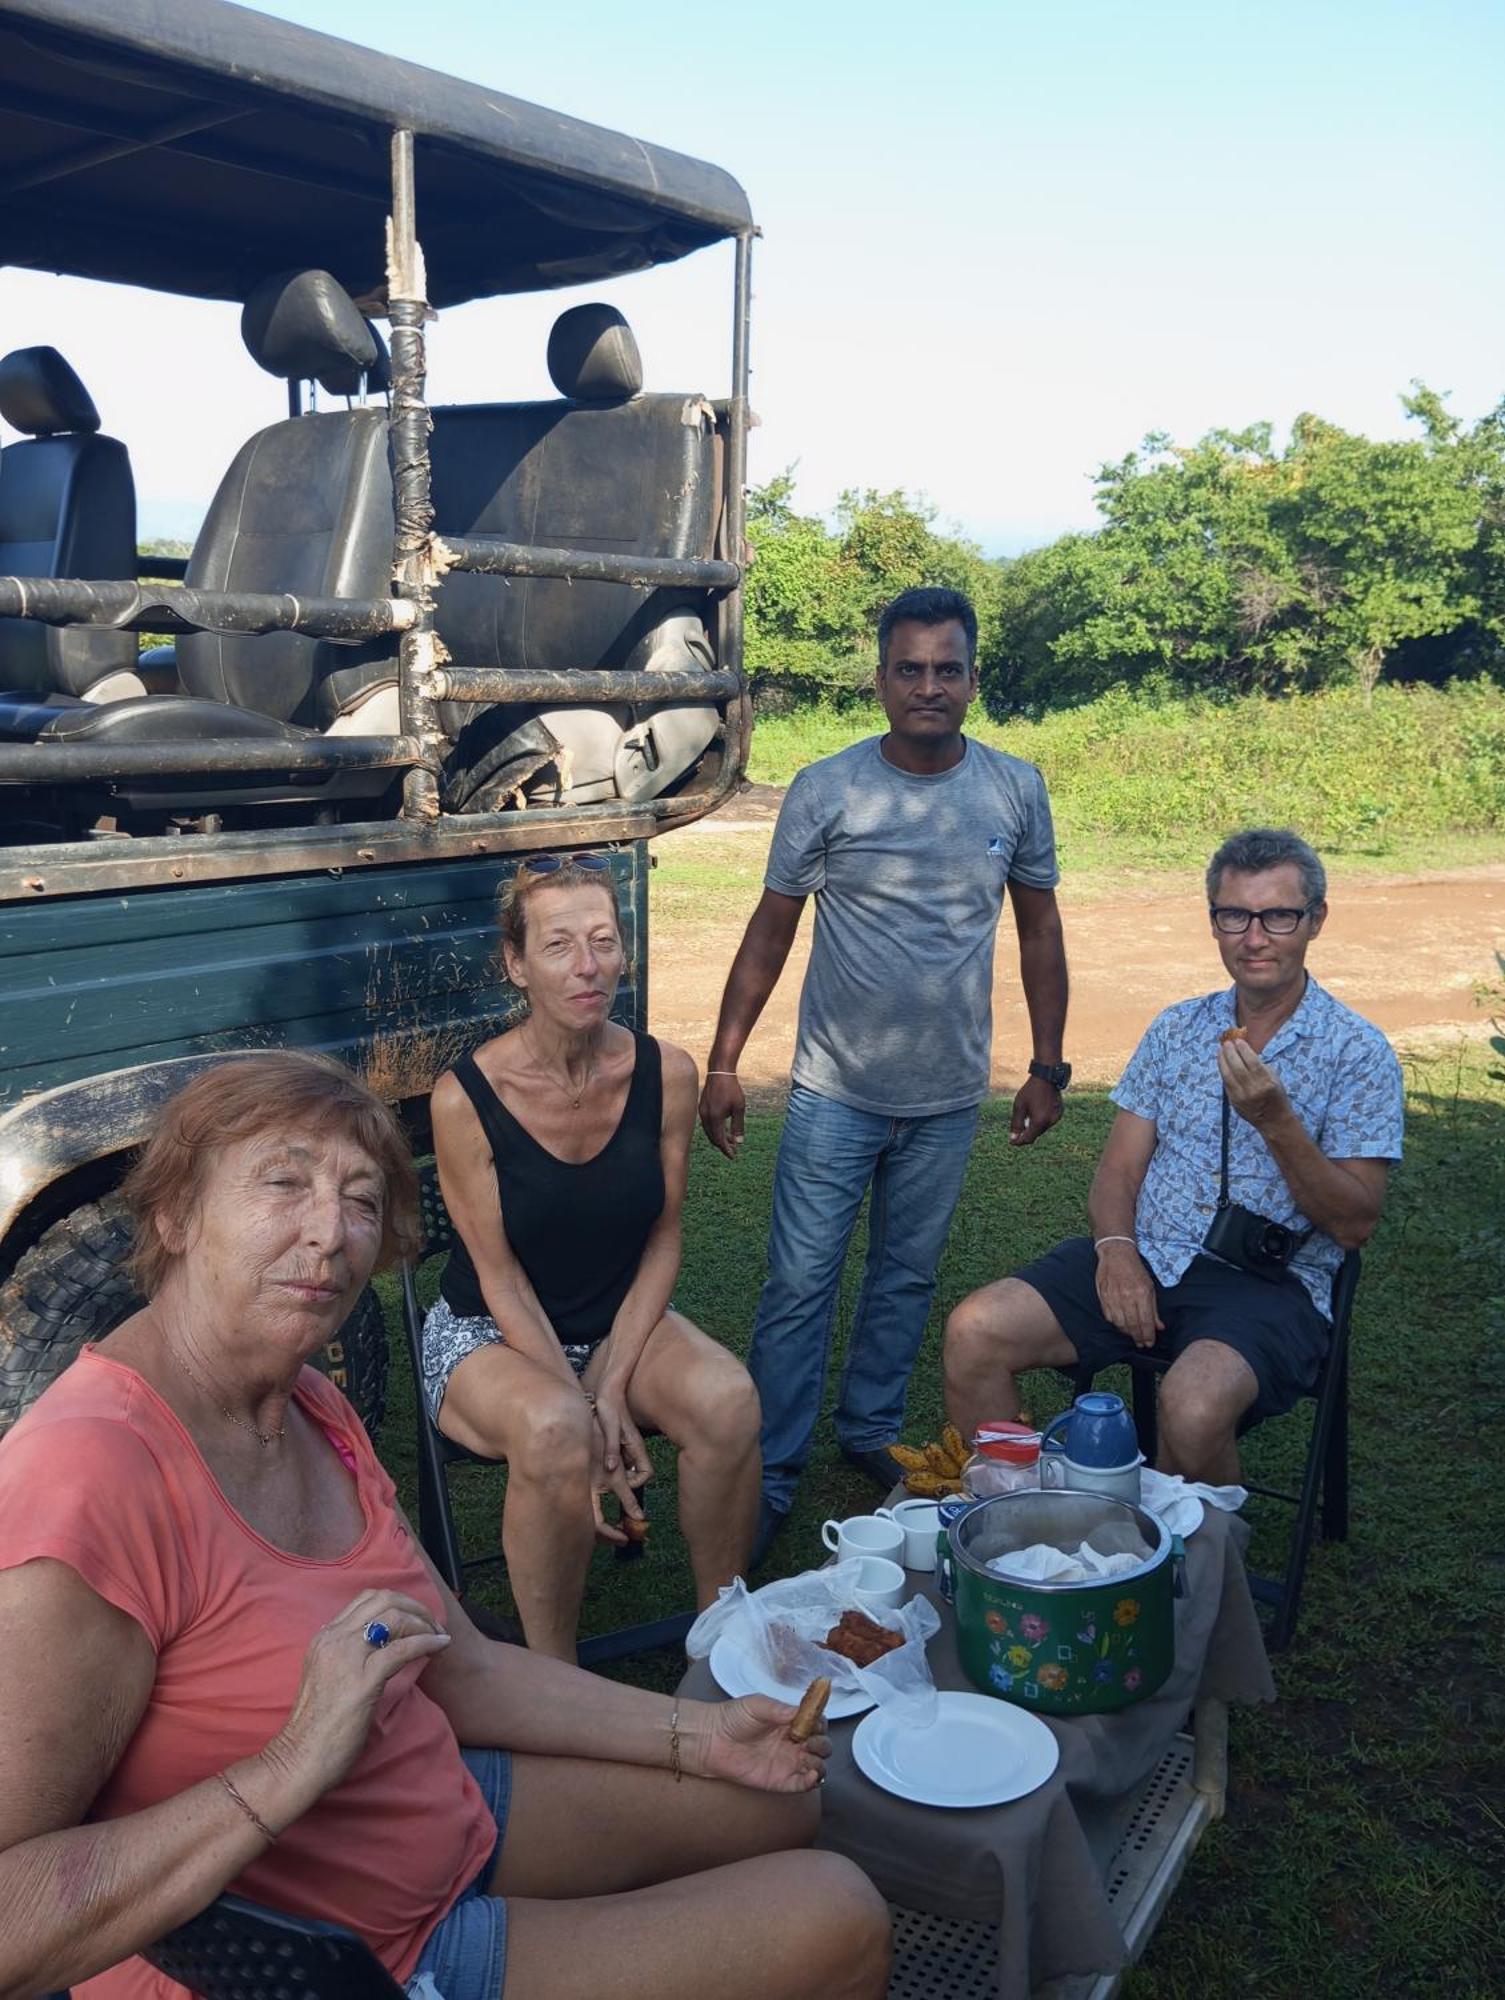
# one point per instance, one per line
(1160, 1491)
(1108, 1551)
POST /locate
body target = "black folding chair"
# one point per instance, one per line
(1324, 1480)
(437, 1454)
(236, 1950)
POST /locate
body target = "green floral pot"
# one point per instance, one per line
(1060, 1648)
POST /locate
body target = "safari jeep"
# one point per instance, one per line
(410, 644)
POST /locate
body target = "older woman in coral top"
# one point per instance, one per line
(227, 1662)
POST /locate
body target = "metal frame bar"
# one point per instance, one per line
(58, 761)
(480, 556)
(568, 689)
(424, 678)
(413, 571)
(129, 607)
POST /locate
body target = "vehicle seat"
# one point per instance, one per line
(305, 507)
(607, 468)
(67, 509)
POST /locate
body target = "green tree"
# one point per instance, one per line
(1229, 567)
(815, 590)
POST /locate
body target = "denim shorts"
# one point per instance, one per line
(465, 1957)
(449, 1337)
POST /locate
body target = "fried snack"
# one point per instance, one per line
(811, 1712)
(955, 1444)
(1234, 1035)
(635, 1527)
(859, 1639)
(941, 1462)
(909, 1456)
(930, 1485)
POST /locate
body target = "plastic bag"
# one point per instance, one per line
(780, 1628)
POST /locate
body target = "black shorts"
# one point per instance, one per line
(1272, 1323)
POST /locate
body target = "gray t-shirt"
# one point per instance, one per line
(908, 875)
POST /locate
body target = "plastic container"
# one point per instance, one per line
(1006, 1460)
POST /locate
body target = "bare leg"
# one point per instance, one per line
(990, 1337)
(784, 1925)
(1201, 1400)
(703, 1400)
(503, 1405)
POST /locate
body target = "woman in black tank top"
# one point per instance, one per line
(563, 1149)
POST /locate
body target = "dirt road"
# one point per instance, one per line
(1406, 952)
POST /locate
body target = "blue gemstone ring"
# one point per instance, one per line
(376, 1634)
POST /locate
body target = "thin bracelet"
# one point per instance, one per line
(674, 1764)
(1099, 1241)
(721, 1072)
(249, 1810)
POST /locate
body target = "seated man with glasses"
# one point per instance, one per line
(1255, 1130)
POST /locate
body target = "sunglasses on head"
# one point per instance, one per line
(550, 864)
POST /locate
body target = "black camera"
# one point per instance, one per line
(1252, 1242)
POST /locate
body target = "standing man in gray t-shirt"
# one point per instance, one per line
(907, 842)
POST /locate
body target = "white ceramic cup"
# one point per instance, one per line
(1116, 1482)
(880, 1584)
(864, 1535)
(921, 1522)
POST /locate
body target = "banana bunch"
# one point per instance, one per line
(934, 1471)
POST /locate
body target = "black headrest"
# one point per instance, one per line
(593, 357)
(41, 395)
(346, 379)
(302, 324)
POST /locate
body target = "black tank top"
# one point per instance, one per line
(577, 1230)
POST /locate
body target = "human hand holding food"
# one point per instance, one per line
(616, 1481)
(1126, 1291)
(722, 1111)
(811, 1713)
(751, 1742)
(348, 1663)
(1254, 1090)
(622, 1443)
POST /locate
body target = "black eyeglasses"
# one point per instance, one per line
(550, 864)
(1233, 922)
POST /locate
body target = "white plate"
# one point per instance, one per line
(737, 1672)
(979, 1751)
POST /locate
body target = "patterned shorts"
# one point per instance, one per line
(448, 1337)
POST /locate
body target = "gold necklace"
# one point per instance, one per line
(567, 1087)
(261, 1437)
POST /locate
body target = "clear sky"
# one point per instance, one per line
(1003, 240)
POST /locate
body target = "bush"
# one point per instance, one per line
(1346, 772)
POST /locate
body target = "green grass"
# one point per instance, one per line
(1365, 1838)
(1416, 780)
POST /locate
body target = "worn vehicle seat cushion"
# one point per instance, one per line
(306, 507)
(67, 509)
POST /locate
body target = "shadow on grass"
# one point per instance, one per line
(1365, 1839)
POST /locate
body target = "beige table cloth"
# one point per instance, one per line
(1035, 1867)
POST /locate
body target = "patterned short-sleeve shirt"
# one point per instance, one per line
(1344, 1083)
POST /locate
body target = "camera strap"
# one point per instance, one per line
(1223, 1169)
(1223, 1200)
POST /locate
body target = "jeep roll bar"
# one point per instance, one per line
(281, 124)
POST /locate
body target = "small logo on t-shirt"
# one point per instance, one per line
(998, 845)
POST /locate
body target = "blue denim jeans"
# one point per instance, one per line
(828, 1156)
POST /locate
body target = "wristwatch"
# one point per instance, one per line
(1056, 1074)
